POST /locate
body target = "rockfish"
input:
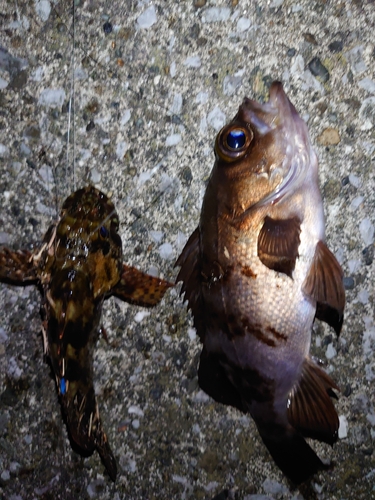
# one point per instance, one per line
(77, 267)
(256, 273)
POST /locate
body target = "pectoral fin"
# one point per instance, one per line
(278, 243)
(310, 410)
(324, 284)
(136, 287)
(17, 268)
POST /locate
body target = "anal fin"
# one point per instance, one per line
(310, 409)
(278, 243)
(324, 284)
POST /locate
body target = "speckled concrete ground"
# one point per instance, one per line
(148, 103)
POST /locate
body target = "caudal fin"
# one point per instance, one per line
(293, 456)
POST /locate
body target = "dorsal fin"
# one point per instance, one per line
(189, 272)
(190, 275)
(310, 408)
(324, 284)
(278, 243)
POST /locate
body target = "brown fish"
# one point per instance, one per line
(78, 266)
(256, 272)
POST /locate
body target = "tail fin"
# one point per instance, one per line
(85, 427)
(293, 455)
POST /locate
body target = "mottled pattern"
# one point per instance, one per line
(77, 267)
(256, 272)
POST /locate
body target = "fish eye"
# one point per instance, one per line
(236, 139)
(233, 142)
(103, 231)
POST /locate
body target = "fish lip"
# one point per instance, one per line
(266, 116)
(277, 112)
(281, 102)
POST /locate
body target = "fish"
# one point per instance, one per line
(76, 268)
(256, 273)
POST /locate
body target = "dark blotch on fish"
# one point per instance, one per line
(256, 273)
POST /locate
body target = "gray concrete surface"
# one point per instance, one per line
(137, 90)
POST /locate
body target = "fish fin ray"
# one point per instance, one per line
(325, 285)
(311, 410)
(214, 381)
(85, 428)
(17, 268)
(105, 452)
(278, 243)
(136, 287)
(190, 275)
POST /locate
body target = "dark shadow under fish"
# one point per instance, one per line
(256, 272)
(78, 266)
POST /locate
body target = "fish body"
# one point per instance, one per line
(77, 267)
(256, 272)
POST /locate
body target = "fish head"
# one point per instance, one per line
(263, 154)
(87, 239)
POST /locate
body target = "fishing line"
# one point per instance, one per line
(173, 120)
(71, 129)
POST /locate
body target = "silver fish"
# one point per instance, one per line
(256, 273)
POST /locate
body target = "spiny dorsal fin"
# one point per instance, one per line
(191, 277)
(278, 243)
(189, 273)
(136, 287)
(324, 284)
(310, 408)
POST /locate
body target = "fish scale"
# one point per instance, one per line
(153, 100)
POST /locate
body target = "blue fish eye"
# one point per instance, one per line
(103, 232)
(62, 386)
(236, 139)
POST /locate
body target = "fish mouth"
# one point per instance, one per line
(290, 137)
(278, 111)
(281, 102)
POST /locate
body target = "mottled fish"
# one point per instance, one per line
(77, 267)
(256, 273)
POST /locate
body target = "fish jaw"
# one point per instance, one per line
(276, 159)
